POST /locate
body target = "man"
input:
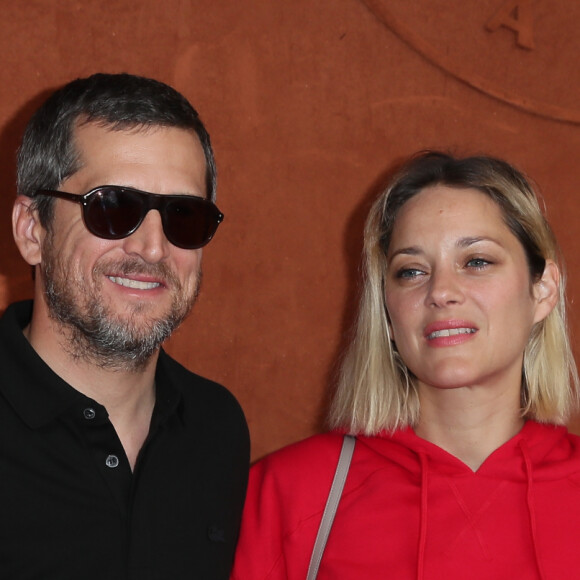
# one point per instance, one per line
(115, 461)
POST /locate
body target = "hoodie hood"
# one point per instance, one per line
(548, 448)
(538, 453)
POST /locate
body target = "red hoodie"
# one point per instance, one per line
(410, 510)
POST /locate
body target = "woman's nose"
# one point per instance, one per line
(444, 288)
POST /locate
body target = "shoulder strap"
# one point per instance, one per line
(331, 505)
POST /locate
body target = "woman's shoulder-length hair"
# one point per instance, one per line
(375, 390)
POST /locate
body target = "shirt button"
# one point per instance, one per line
(112, 461)
(89, 413)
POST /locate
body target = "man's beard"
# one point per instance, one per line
(93, 332)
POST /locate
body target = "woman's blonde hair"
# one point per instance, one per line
(376, 391)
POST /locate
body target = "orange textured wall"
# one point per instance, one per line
(309, 104)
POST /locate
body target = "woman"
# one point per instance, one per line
(456, 385)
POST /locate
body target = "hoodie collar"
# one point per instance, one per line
(548, 448)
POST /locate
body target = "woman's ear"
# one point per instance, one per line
(547, 291)
(27, 230)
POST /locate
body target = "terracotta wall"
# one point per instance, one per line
(309, 104)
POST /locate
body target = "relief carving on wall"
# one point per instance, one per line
(521, 52)
(516, 15)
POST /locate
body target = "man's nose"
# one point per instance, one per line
(149, 241)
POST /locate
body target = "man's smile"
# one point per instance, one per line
(132, 283)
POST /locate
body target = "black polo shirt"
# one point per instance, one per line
(72, 508)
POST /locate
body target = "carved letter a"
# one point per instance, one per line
(517, 16)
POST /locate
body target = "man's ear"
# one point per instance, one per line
(547, 291)
(27, 230)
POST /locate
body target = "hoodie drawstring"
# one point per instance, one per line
(531, 510)
(423, 516)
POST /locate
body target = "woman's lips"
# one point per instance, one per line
(456, 330)
(450, 332)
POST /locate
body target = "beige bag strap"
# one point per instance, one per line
(331, 505)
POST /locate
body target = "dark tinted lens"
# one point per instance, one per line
(190, 222)
(113, 213)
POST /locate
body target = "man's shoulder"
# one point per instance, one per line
(14, 318)
(198, 392)
(184, 379)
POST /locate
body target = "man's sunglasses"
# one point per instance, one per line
(113, 212)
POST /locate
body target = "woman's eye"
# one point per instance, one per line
(409, 273)
(478, 263)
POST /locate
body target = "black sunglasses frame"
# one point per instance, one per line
(147, 201)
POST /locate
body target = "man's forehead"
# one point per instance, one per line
(153, 158)
(90, 137)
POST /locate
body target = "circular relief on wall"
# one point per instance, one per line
(522, 52)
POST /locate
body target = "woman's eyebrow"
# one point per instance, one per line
(464, 242)
(471, 240)
(408, 251)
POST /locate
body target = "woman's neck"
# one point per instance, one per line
(468, 422)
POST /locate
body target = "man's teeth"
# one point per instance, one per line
(451, 332)
(137, 284)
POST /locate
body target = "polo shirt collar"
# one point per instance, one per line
(37, 393)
